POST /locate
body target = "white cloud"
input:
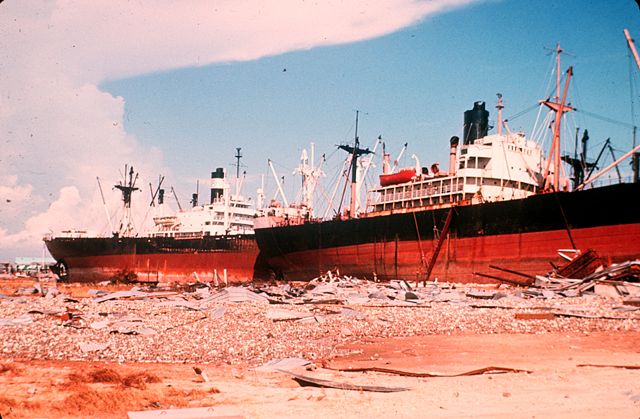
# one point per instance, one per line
(158, 35)
(13, 196)
(58, 131)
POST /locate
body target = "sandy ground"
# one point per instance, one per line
(557, 386)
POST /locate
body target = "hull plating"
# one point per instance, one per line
(523, 235)
(459, 258)
(160, 259)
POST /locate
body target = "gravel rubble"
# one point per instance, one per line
(203, 327)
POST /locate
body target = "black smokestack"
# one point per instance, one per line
(476, 123)
(217, 186)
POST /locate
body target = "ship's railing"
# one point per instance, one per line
(188, 235)
(428, 192)
(611, 179)
(74, 234)
(436, 192)
(236, 202)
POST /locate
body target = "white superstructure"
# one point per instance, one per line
(490, 168)
(226, 214)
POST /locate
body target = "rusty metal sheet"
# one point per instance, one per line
(318, 382)
(535, 316)
(627, 367)
(481, 371)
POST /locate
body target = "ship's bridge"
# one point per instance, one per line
(493, 168)
(218, 218)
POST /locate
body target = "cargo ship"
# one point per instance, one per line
(503, 202)
(213, 242)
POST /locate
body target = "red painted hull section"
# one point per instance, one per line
(459, 258)
(177, 267)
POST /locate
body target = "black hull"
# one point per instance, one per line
(395, 245)
(159, 259)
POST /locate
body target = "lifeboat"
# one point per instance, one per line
(401, 176)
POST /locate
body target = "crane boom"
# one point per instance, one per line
(632, 47)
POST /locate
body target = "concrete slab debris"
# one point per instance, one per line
(218, 313)
(235, 295)
(120, 294)
(98, 325)
(92, 346)
(281, 314)
(17, 321)
(481, 294)
(181, 303)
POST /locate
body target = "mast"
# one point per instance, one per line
(309, 174)
(355, 152)
(366, 165)
(238, 156)
(559, 107)
(636, 157)
(499, 107)
(354, 173)
(260, 194)
(558, 52)
(127, 188)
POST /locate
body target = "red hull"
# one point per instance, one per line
(459, 258)
(177, 267)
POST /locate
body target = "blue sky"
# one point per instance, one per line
(412, 86)
(174, 87)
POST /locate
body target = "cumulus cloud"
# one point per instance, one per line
(58, 130)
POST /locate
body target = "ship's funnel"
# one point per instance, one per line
(476, 123)
(454, 141)
(217, 184)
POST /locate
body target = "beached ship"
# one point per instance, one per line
(502, 202)
(214, 242)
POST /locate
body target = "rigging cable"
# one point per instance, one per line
(607, 119)
(521, 113)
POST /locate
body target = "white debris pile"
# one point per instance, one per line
(253, 325)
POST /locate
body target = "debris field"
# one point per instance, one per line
(256, 324)
(336, 345)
